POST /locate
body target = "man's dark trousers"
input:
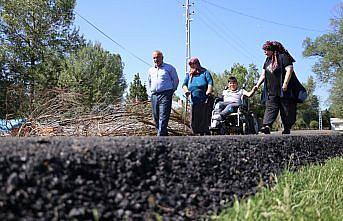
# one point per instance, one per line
(161, 107)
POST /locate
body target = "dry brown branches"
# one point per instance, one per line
(64, 115)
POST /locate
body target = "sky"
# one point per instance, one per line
(223, 32)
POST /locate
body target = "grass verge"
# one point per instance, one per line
(312, 193)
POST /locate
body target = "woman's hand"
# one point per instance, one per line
(209, 90)
(284, 87)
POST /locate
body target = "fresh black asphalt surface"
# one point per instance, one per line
(142, 178)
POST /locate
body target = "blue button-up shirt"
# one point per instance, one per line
(163, 78)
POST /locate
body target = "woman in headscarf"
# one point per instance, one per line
(198, 84)
(282, 90)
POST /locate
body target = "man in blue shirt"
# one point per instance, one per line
(163, 81)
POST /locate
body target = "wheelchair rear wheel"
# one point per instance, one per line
(255, 127)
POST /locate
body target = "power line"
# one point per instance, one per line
(225, 33)
(122, 47)
(223, 37)
(262, 19)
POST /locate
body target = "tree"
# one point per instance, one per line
(95, 73)
(220, 81)
(300, 124)
(328, 49)
(336, 97)
(314, 124)
(244, 76)
(240, 72)
(326, 119)
(137, 91)
(35, 37)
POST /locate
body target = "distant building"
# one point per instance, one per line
(336, 124)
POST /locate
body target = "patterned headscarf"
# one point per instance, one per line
(197, 70)
(277, 48)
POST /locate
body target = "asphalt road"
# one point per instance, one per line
(146, 178)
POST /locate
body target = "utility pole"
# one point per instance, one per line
(188, 48)
(320, 120)
(188, 34)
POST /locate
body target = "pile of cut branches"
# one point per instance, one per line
(64, 115)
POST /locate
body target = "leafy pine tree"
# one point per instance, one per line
(35, 37)
(95, 73)
(137, 91)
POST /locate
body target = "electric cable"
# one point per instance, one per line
(262, 19)
(227, 34)
(122, 47)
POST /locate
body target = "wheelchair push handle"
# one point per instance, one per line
(208, 97)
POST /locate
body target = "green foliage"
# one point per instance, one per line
(300, 124)
(137, 91)
(35, 37)
(314, 124)
(313, 193)
(336, 97)
(326, 119)
(220, 82)
(328, 49)
(95, 73)
(238, 71)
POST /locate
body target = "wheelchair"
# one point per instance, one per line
(241, 121)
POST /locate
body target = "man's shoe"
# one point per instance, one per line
(265, 130)
(286, 131)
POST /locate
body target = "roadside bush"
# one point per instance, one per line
(314, 124)
(300, 124)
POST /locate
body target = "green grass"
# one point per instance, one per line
(312, 193)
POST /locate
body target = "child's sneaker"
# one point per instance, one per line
(217, 117)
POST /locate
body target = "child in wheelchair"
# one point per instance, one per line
(233, 100)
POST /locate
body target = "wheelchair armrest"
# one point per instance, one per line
(217, 99)
(243, 107)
